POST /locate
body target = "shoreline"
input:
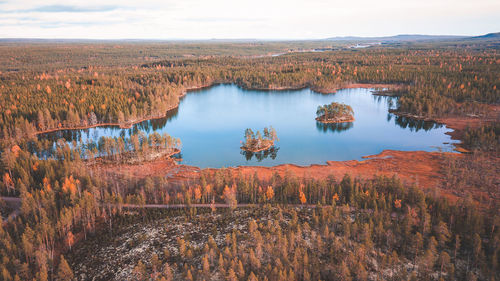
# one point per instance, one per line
(129, 124)
(325, 90)
(266, 147)
(410, 166)
(354, 86)
(458, 124)
(160, 155)
(330, 121)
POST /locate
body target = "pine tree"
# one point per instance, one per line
(252, 277)
(206, 265)
(140, 271)
(167, 272)
(444, 261)
(343, 273)
(241, 270)
(476, 248)
(64, 272)
(231, 275)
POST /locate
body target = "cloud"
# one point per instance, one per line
(221, 19)
(71, 9)
(64, 9)
(28, 22)
(275, 19)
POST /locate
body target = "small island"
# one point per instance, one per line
(335, 113)
(255, 142)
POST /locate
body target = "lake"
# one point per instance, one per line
(211, 124)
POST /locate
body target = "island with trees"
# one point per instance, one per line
(255, 142)
(335, 113)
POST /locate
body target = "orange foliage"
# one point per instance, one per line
(302, 197)
(230, 196)
(15, 149)
(335, 197)
(397, 203)
(226, 191)
(208, 189)
(7, 180)
(197, 193)
(70, 239)
(70, 185)
(46, 185)
(269, 193)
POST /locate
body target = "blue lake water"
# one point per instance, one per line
(211, 125)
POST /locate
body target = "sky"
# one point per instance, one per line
(243, 19)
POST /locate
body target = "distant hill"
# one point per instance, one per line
(358, 39)
(488, 36)
(397, 38)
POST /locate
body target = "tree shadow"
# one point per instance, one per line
(272, 153)
(416, 124)
(333, 127)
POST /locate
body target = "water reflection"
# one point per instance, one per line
(390, 102)
(271, 153)
(210, 123)
(177, 156)
(415, 124)
(151, 126)
(333, 127)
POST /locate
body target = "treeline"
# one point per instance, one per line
(83, 98)
(134, 148)
(484, 138)
(437, 82)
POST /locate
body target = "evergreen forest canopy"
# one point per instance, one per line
(335, 112)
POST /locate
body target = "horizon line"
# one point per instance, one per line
(346, 37)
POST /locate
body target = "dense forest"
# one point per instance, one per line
(350, 228)
(56, 208)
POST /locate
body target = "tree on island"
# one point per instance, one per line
(256, 142)
(335, 112)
